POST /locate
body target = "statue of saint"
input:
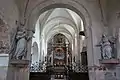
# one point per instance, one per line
(19, 43)
(20, 51)
(106, 48)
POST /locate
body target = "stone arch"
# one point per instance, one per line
(73, 5)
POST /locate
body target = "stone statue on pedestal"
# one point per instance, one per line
(19, 43)
(106, 47)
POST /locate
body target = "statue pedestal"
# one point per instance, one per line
(109, 61)
(19, 63)
(18, 70)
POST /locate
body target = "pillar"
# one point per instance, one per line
(18, 70)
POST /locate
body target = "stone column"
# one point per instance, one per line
(67, 53)
(118, 42)
(110, 74)
(73, 51)
(18, 70)
(76, 48)
(118, 72)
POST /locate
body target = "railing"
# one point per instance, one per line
(40, 67)
(81, 68)
(77, 67)
(37, 67)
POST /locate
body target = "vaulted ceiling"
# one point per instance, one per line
(60, 20)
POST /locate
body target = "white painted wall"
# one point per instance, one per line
(37, 40)
(4, 58)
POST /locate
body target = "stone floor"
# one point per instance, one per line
(59, 79)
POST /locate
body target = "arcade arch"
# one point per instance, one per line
(66, 22)
(77, 7)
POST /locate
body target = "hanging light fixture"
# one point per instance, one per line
(82, 33)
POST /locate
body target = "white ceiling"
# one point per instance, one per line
(60, 20)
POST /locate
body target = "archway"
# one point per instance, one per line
(66, 24)
(72, 5)
(75, 6)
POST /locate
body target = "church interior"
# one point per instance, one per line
(59, 39)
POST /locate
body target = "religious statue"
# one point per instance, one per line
(19, 44)
(18, 47)
(106, 47)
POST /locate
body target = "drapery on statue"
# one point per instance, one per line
(106, 47)
(20, 51)
(19, 44)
